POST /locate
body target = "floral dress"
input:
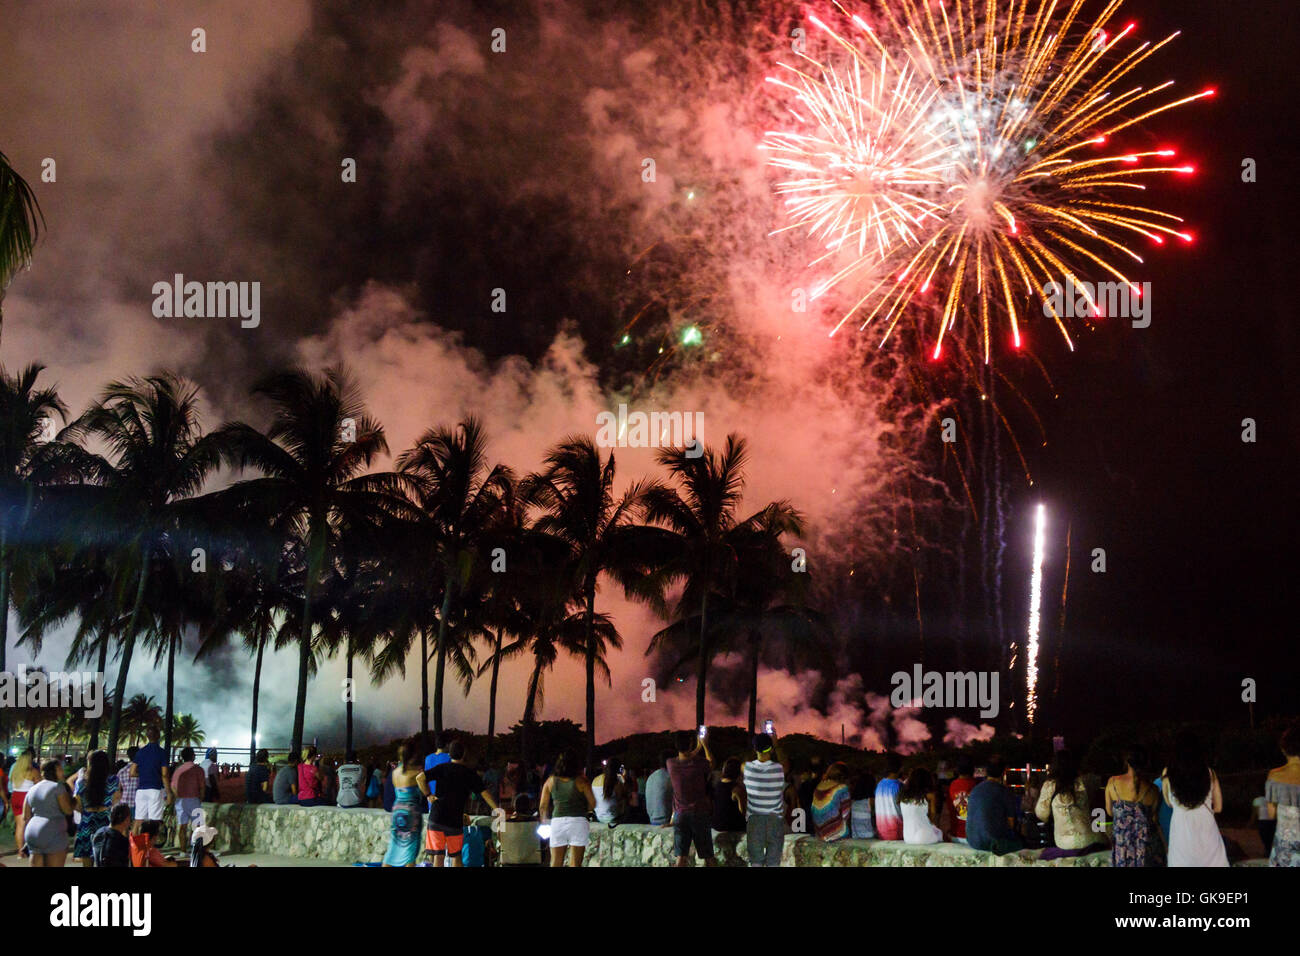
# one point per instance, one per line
(1286, 841)
(93, 821)
(1136, 838)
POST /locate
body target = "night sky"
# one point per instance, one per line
(520, 171)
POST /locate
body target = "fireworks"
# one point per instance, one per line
(964, 150)
(1035, 605)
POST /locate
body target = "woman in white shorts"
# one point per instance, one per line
(566, 801)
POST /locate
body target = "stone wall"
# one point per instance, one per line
(644, 845)
(351, 836)
(316, 833)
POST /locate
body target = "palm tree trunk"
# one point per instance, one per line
(103, 663)
(492, 696)
(124, 667)
(441, 669)
(590, 655)
(4, 616)
(351, 693)
(304, 639)
(757, 643)
(702, 671)
(530, 709)
(424, 687)
(257, 688)
(4, 602)
(169, 714)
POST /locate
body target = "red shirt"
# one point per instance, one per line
(188, 781)
(958, 791)
(308, 779)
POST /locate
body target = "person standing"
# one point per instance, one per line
(763, 787)
(1192, 790)
(352, 778)
(95, 797)
(24, 774)
(411, 791)
(452, 783)
(188, 785)
(208, 764)
(45, 817)
(1132, 802)
(153, 781)
(1282, 791)
(565, 801)
(692, 808)
(127, 781)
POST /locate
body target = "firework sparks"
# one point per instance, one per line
(1035, 605)
(968, 152)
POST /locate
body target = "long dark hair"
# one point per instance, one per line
(919, 786)
(609, 780)
(1065, 773)
(1189, 773)
(1135, 758)
(96, 787)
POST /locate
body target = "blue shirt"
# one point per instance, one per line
(149, 760)
(430, 762)
(472, 852)
(988, 806)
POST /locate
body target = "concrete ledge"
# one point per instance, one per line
(350, 836)
(643, 845)
(312, 833)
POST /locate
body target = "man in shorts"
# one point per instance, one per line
(692, 808)
(151, 771)
(455, 782)
(187, 783)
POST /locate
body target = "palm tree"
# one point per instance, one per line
(459, 498)
(140, 713)
(161, 461)
(576, 489)
(256, 594)
(311, 458)
(766, 603)
(26, 457)
(186, 732)
(19, 211)
(707, 539)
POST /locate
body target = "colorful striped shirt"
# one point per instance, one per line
(764, 787)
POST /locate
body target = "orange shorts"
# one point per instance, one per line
(438, 842)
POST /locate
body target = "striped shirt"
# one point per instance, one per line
(764, 787)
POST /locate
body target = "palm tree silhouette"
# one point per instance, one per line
(19, 211)
(312, 457)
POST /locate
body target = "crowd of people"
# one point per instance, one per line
(445, 812)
